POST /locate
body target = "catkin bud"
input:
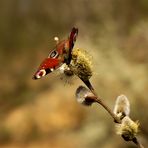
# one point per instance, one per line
(128, 129)
(122, 106)
(84, 96)
(81, 64)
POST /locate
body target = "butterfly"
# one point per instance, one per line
(60, 54)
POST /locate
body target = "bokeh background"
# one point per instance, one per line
(44, 113)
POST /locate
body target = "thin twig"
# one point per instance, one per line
(137, 142)
(116, 119)
(88, 84)
(98, 100)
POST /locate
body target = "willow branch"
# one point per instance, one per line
(137, 142)
(98, 100)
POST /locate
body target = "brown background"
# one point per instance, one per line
(44, 113)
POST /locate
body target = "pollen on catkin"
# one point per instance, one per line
(81, 64)
(128, 129)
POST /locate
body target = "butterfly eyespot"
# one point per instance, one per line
(41, 73)
(61, 54)
(53, 54)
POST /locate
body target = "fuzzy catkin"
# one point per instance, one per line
(81, 64)
(122, 106)
(128, 128)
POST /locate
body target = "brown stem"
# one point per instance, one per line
(116, 119)
(136, 141)
(88, 84)
(98, 100)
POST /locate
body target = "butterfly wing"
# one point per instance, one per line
(59, 55)
(52, 62)
(71, 40)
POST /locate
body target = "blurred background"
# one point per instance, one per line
(44, 113)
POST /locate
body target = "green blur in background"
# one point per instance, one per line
(44, 113)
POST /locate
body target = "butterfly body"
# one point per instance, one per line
(59, 55)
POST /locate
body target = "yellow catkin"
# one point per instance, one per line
(128, 128)
(81, 64)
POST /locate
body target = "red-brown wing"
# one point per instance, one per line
(60, 54)
(72, 39)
